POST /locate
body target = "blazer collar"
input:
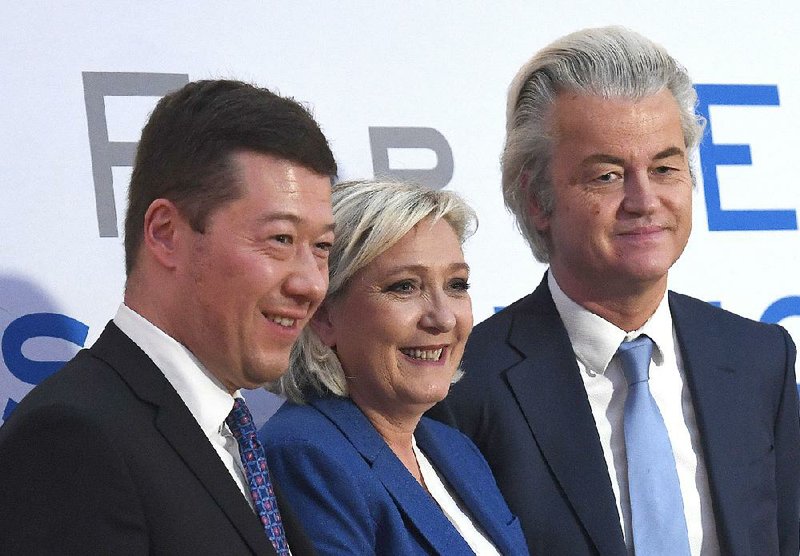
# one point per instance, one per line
(181, 431)
(547, 385)
(468, 489)
(411, 499)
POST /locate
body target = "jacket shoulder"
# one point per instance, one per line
(85, 384)
(502, 319)
(730, 326)
(488, 346)
(295, 421)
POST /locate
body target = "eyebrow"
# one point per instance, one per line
(671, 151)
(288, 217)
(422, 268)
(609, 159)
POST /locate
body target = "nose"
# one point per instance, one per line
(640, 194)
(439, 316)
(308, 277)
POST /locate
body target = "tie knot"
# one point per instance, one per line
(635, 358)
(239, 420)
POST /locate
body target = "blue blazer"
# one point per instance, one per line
(354, 496)
(523, 403)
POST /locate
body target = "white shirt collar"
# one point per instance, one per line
(205, 397)
(595, 340)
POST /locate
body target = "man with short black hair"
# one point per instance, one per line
(142, 443)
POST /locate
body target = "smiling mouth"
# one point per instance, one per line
(423, 354)
(643, 230)
(281, 321)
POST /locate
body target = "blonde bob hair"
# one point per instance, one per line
(370, 217)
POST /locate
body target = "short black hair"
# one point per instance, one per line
(185, 151)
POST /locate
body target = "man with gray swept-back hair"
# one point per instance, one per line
(619, 417)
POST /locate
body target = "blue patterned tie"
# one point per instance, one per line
(658, 521)
(255, 466)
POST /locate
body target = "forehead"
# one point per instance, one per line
(616, 122)
(259, 170)
(427, 244)
(271, 184)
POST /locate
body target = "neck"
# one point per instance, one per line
(627, 306)
(151, 297)
(147, 309)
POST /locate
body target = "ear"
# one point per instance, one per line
(164, 226)
(539, 216)
(323, 327)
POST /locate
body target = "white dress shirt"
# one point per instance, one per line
(470, 532)
(595, 341)
(205, 397)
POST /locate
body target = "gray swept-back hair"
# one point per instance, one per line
(370, 217)
(607, 62)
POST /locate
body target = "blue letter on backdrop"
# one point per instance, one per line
(783, 308)
(713, 155)
(36, 325)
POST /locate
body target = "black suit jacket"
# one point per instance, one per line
(523, 403)
(105, 458)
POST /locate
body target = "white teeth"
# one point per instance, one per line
(424, 354)
(283, 321)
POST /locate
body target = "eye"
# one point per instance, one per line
(459, 284)
(324, 246)
(664, 170)
(608, 177)
(402, 286)
(285, 239)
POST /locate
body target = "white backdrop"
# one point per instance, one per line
(440, 69)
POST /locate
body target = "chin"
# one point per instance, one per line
(436, 393)
(648, 270)
(267, 374)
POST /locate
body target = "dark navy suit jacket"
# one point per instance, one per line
(354, 495)
(105, 458)
(523, 403)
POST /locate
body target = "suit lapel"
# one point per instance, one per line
(711, 378)
(551, 395)
(181, 430)
(465, 485)
(411, 499)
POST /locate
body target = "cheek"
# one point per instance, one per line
(603, 208)
(582, 213)
(680, 200)
(464, 317)
(365, 339)
(687, 208)
(393, 333)
(680, 211)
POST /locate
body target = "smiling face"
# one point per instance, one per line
(622, 195)
(400, 326)
(254, 277)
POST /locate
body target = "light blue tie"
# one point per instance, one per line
(657, 517)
